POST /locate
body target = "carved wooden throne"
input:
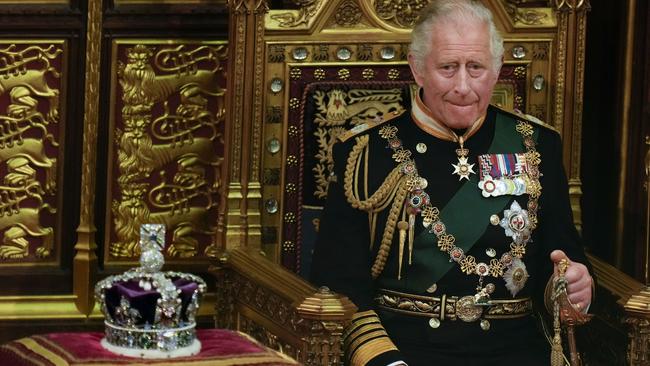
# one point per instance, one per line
(301, 77)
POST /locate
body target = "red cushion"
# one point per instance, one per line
(219, 347)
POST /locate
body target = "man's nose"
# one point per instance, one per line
(462, 82)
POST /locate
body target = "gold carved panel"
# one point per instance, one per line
(166, 144)
(32, 122)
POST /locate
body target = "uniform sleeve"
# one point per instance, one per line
(342, 262)
(556, 227)
(341, 259)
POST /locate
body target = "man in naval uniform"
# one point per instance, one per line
(443, 225)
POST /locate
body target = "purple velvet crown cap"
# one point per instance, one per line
(144, 301)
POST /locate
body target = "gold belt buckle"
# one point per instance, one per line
(467, 311)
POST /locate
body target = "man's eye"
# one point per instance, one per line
(475, 70)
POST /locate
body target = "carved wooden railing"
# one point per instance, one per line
(279, 308)
(619, 334)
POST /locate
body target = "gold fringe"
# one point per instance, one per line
(389, 230)
(557, 354)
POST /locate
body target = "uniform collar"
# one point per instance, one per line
(424, 119)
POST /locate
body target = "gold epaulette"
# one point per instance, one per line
(365, 338)
(527, 117)
(368, 125)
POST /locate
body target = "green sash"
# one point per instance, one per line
(466, 217)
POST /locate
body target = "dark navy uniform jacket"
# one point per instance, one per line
(343, 255)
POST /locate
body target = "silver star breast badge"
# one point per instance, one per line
(463, 169)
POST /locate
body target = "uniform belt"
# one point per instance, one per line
(452, 307)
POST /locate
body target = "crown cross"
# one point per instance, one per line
(152, 242)
(152, 237)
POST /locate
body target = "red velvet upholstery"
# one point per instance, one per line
(219, 347)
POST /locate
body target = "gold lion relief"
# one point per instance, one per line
(24, 139)
(20, 186)
(171, 122)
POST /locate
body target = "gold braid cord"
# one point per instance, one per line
(393, 189)
(389, 230)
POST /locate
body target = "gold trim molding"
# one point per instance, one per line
(170, 2)
(39, 307)
(34, 2)
(85, 260)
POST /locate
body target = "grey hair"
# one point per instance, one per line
(439, 11)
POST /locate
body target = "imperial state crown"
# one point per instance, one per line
(149, 313)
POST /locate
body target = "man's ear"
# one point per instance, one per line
(415, 69)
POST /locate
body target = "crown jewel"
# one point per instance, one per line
(149, 313)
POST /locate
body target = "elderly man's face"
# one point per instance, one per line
(457, 74)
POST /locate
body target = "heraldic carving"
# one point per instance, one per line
(337, 112)
(24, 140)
(168, 146)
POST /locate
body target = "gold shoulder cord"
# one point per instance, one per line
(392, 189)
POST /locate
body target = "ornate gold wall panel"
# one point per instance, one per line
(32, 122)
(166, 148)
(167, 123)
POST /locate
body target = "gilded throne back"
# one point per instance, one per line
(321, 70)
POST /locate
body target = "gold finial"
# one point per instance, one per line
(563, 266)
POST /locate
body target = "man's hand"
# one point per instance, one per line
(578, 280)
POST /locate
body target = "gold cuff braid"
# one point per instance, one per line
(365, 338)
(370, 350)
